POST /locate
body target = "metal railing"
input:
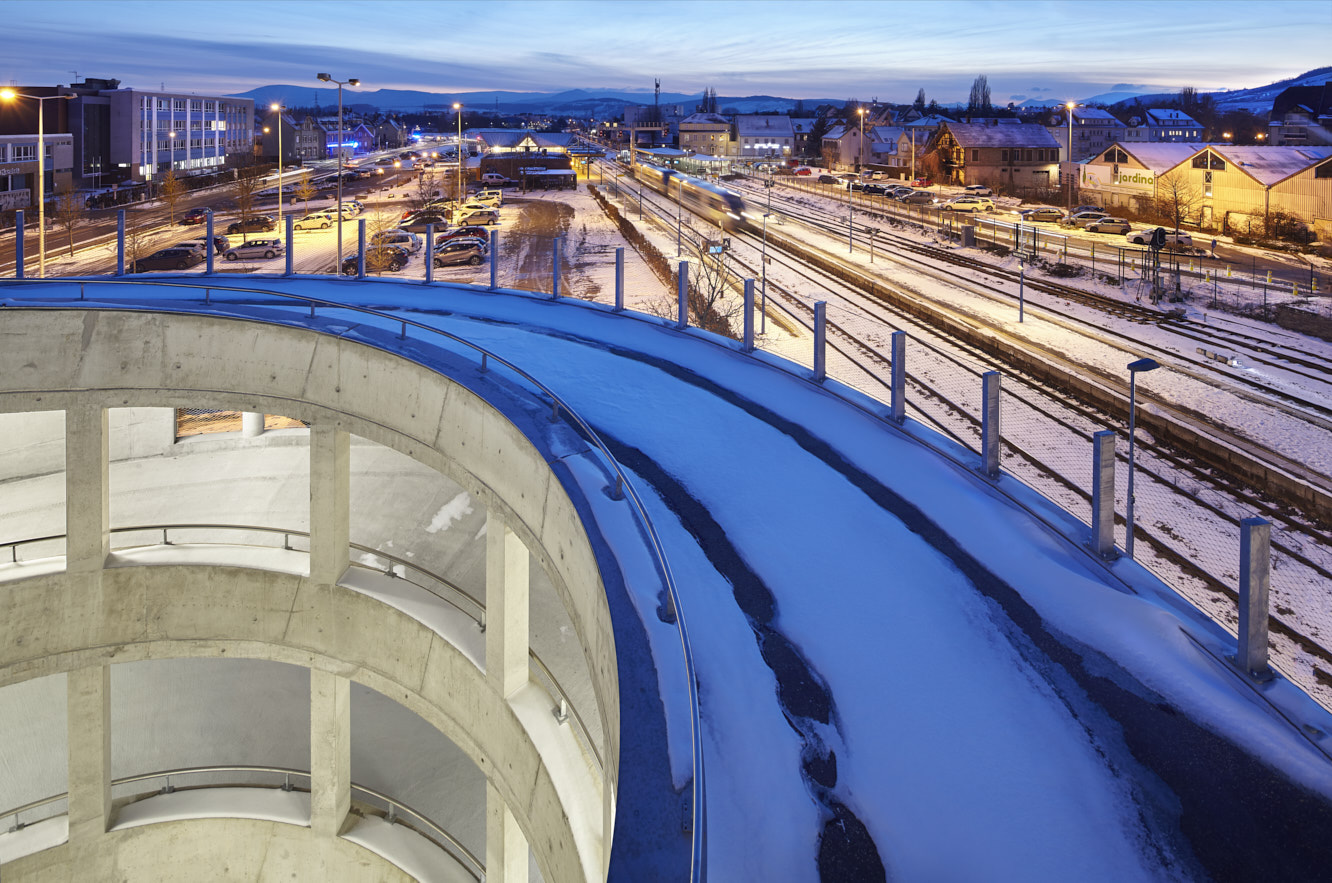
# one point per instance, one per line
(622, 487)
(395, 810)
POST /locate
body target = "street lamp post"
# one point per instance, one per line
(1142, 365)
(10, 95)
(457, 109)
(1069, 107)
(278, 108)
(337, 268)
(860, 145)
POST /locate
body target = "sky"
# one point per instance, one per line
(881, 49)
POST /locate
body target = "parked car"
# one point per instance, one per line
(977, 190)
(258, 224)
(829, 179)
(195, 216)
(495, 179)
(1108, 225)
(1172, 237)
(220, 244)
(1041, 213)
(971, 204)
(1088, 208)
(377, 258)
(174, 258)
(804, 171)
(874, 189)
(460, 232)
(316, 221)
(454, 253)
(477, 241)
(918, 197)
(401, 238)
(418, 221)
(897, 190)
(350, 208)
(256, 248)
(495, 197)
(486, 217)
(923, 182)
(1082, 219)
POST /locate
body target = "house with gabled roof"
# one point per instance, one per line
(1227, 184)
(1164, 124)
(1093, 131)
(1021, 156)
(765, 135)
(708, 133)
(1302, 115)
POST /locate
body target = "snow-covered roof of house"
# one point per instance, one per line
(1269, 164)
(696, 119)
(756, 126)
(1104, 117)
(1166, 116)
(835, 133)
(982, 135)
(929, 122)
(1158, 156)
(802, 125)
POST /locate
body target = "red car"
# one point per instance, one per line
(472, 230)
(803, 170)
(195, 216)
(923, 182)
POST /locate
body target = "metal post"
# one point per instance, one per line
(18, 242)
(763, 265)
(1255, 581)
(898, 380)
(360, 249)
(619, 279)
(120, 242)
(1022, 284)
(430, 254)
(749, 316)
(289, 230)
(820, 340)
(494, 259)
(682, 295)
(1103, 493)
(211, 249)
(555, 269)
(990, 432)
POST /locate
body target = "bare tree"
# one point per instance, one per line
(427, 187)
(1176, 197)
(979, 102)
(70, 212)
(171, 190)
(246, 185)
(305, 191)
(137, 240)
(919, 103)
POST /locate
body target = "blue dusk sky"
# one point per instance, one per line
(857, 49)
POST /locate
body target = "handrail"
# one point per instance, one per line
(470, 862)
(621, 484)
(556, 690)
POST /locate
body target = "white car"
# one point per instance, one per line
(1144, 237)
(316, 221)
(401, 238)
(968, 204)
(977, 190)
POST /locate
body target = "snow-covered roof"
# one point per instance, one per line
(802, 125)
(1268, 164)
(1101, 117)
(1158, 156)
(697, 119)
(755, 126)
(1166, 116)
(983, 135)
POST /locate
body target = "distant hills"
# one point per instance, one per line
(605, 103)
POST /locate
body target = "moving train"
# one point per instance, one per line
(716, 203)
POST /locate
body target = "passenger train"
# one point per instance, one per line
(716, 203)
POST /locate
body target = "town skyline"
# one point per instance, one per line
(883, 49)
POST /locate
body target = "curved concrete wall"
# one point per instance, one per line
(62, 359)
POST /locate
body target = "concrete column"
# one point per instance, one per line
(88, 704)
(820, 341)
(619, 279)
(330, 752)
(252, 424)
(682, 295)
(1255, 582)
(87, 489)
(990, 432)
(1103, 493)
(506, 847)
(749, 315)
(330, 502)
(898, 381)
(506, 608)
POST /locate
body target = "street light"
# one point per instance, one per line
(860, 146)
(278, 108)
(10, 95)
(1143, 365)
(337, 268)
(458, 194)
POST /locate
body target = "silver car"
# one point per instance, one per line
(257, 248)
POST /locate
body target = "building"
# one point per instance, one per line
(1222, 186)
(500, 142)
(1093, 131)
(1302, 115)
(709, 133)
(18, 169)
(800, 129)
(1163, 125)
(763, 137)
(1019, 156)
(302, 142)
